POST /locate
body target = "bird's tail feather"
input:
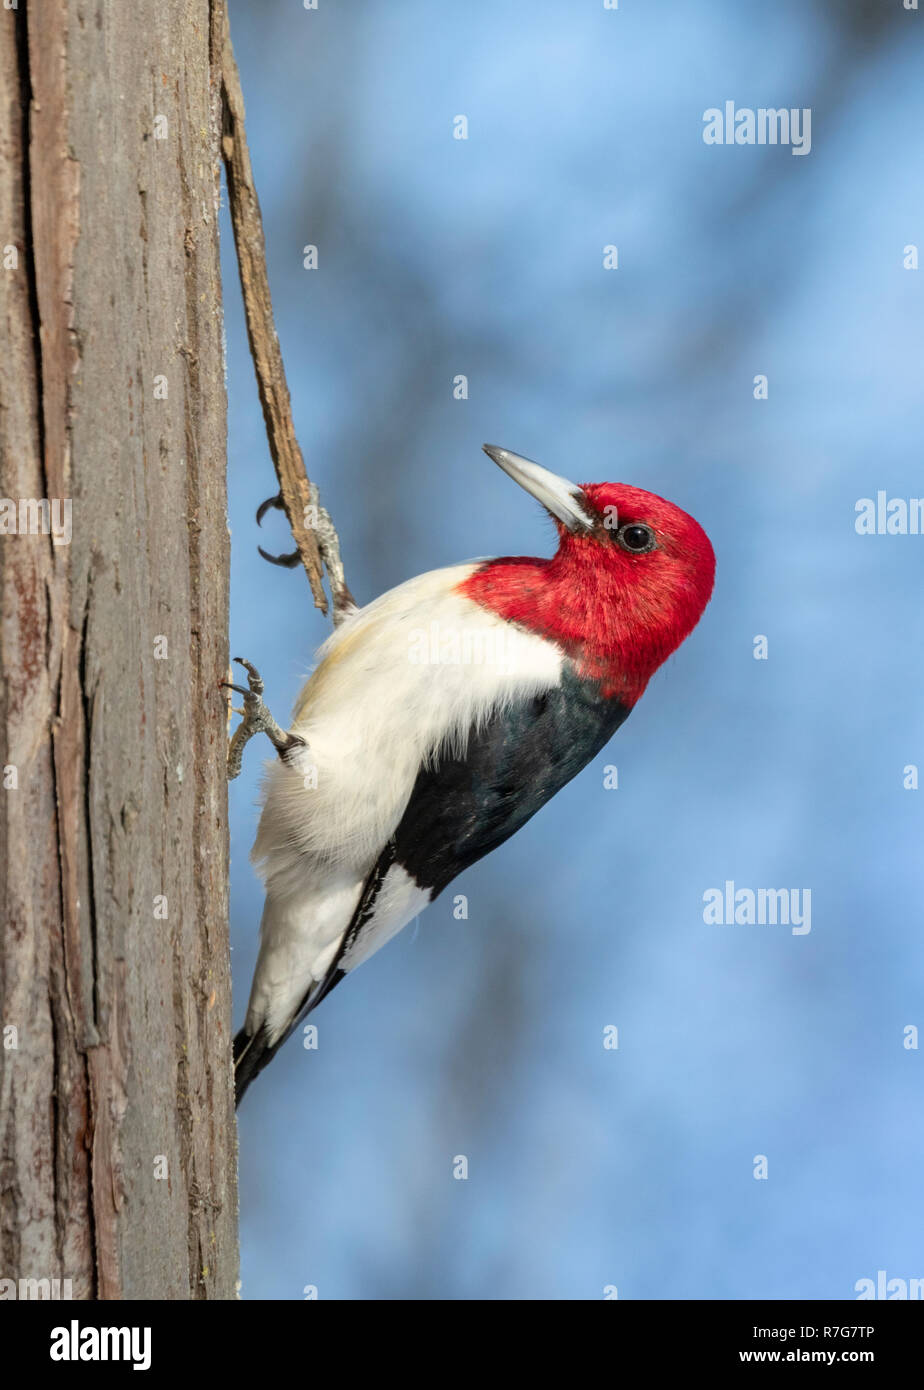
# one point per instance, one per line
(252, 1052)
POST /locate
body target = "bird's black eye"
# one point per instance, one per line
(637, 537)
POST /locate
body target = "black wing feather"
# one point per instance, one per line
(462, 808)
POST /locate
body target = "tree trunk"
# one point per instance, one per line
(117, 1136)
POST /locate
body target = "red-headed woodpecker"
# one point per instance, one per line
(442, 716)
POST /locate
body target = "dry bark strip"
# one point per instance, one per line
(117, 1135)
(318, 546)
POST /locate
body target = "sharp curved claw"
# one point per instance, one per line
(275, 502)
(286, 561)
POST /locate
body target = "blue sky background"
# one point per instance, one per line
(484, 1037)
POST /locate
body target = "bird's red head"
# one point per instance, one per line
(631, 578)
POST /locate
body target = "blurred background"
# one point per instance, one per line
(484, 257)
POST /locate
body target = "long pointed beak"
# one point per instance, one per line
(564, 500)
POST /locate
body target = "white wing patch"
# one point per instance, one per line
(399, 901)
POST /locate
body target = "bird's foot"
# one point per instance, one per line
(256, 719)
(328, 548)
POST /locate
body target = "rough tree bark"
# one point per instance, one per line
(117, 1137)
